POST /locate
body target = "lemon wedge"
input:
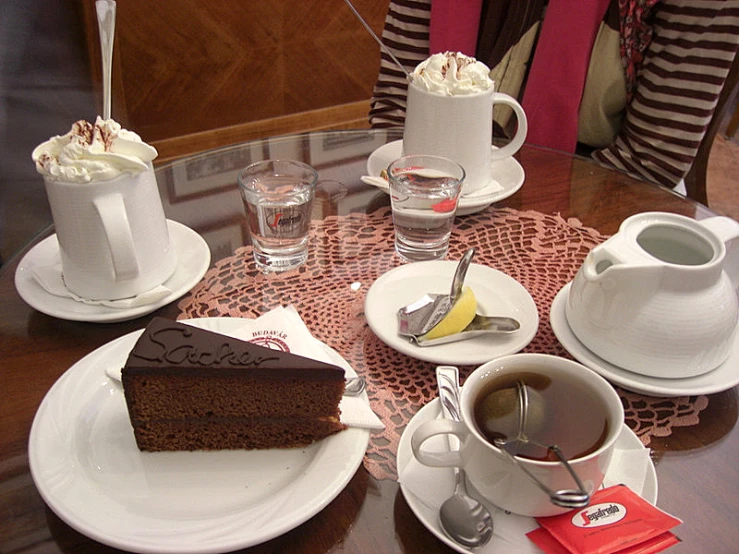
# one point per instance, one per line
(459, 317)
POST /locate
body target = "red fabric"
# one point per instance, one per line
(454, 26)
(636, 34)
(557, 76)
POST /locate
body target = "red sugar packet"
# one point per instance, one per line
(616, 521)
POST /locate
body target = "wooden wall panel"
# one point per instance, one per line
(186, 67)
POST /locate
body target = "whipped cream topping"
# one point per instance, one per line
(93, 152)
(452, 74)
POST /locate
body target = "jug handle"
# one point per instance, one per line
(112, 211)
(523, 127)
(727, 231)
(609, 257)
(599, 260)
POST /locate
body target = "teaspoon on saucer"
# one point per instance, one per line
(463, 518)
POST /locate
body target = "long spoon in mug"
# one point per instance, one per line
(382, 44)
(106, 26)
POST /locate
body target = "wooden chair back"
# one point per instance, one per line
(696, 181)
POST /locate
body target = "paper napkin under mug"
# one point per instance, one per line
(50, 278)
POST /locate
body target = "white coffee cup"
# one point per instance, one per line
(460, 127)
(113, 236)
(490, 473)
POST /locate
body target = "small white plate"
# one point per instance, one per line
(507, 173)
(722, 378)
(193, 259)
(496, 294)
(85, 463)
(429, 515)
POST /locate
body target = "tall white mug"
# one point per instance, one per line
(113, 236)
(460, 127)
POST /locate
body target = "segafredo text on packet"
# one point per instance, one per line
(617, 519)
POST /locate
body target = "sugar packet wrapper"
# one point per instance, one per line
(617, 521)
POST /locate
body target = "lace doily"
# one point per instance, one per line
(347, 254)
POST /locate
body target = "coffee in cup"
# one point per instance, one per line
(496, 415)
(569, 406)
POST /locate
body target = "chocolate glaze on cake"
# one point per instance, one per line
(189, 389)
(172, 346)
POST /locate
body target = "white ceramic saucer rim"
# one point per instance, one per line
(627, 439)
(720, 379)
(193, 256)
(468, 204)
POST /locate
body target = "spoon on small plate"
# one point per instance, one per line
(418, 318)
(354, 386)
(463, 518)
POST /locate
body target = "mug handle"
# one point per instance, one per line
(431, 429)
(117, 228)
(523, 127)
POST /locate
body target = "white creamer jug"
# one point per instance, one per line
(659, 297)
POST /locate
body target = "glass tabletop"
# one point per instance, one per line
(537, 235)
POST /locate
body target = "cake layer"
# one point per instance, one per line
(232, 433)
(171, 396)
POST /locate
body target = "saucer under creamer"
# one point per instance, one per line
(659, 297)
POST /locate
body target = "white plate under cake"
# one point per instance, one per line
(85, 463)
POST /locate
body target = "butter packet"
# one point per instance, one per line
(617, 521)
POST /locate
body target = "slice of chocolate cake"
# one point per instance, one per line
(191, 389)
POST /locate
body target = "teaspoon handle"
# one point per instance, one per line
(447, 379)
(106, 23)
(460, 274)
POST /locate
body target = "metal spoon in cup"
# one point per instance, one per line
(463, 518)
(106, 25)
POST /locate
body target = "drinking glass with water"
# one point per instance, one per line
(424, 193)
(278, 196)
